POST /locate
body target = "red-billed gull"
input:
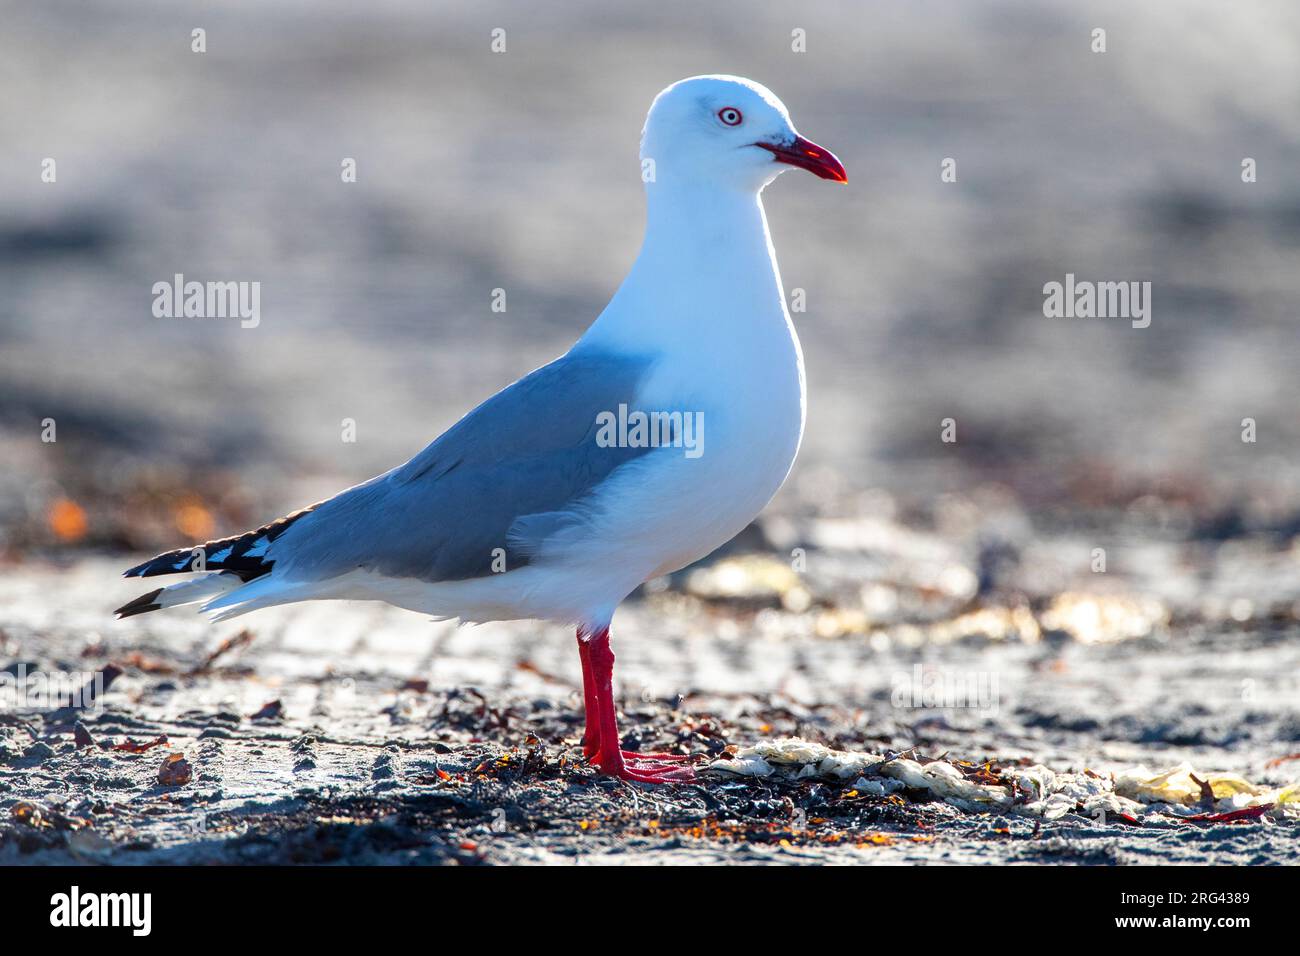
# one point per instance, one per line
(655, 439)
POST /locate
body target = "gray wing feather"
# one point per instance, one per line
(504, 476)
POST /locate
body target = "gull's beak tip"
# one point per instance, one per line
(806, 154)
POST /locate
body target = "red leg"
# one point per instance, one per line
(591, 736)
(610, 758)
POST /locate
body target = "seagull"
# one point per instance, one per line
(655, 439)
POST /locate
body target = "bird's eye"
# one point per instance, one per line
(730, 115)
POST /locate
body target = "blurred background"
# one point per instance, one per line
(891, 559)
(479, 170)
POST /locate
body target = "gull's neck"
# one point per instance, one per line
(706, 274)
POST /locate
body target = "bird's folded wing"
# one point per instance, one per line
(521, 460)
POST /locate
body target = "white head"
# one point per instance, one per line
(728, 131)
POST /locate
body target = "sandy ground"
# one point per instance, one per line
(358, 733)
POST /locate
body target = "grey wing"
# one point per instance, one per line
(520, 459)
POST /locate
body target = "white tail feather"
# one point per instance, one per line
(266, 591)
(198, 589)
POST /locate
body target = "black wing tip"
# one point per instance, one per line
(237, 560)
(140, 605)
(169, 562)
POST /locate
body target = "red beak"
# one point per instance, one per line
(806, 154)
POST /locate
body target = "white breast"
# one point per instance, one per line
(711, 310)
(704, 302)
(752, 404)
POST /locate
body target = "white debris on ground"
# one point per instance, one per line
(1036, 791)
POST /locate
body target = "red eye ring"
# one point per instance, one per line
(731, 116)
